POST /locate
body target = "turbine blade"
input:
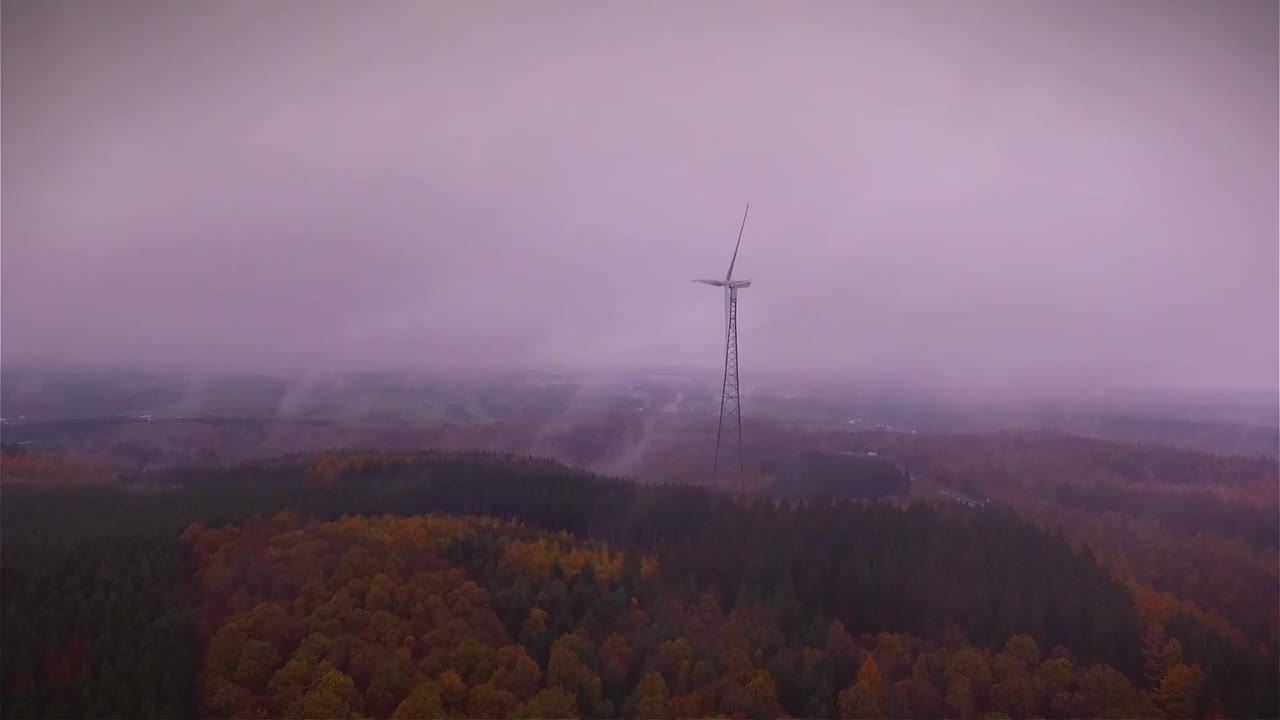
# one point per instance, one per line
(729, 276)
(716, 283)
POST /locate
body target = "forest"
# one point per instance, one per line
(833, 476)
(434, 584)
(1199, 528)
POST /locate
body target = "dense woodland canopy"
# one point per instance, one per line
(836, 476)
(1202, 528)
(437, 616)
(284, 588)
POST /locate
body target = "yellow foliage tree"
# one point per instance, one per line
(1178, 691)
(649, 567)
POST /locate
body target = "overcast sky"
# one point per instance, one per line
(970, 192)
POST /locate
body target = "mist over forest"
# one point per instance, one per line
(562, 359)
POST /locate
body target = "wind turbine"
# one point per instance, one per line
(730, 400)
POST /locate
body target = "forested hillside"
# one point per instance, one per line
(123, 589)
(439, 616)
(1201, 528)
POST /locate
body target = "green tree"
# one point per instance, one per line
(424, 703)
(379, 595)
(1108, 694)
(291, 681)
(972, 664)
(258, 663)
(551, 703)
(486, 701)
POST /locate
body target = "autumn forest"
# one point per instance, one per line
(430, 584)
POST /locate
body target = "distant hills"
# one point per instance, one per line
(1227, 423)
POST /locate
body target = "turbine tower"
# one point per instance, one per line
(730, 402)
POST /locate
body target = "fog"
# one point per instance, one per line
(985, 194)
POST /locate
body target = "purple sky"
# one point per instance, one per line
(978, 193)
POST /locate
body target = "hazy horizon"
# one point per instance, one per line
(977, 195)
